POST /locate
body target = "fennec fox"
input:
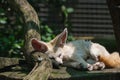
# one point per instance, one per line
(78, 54)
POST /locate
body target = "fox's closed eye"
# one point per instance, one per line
(60, 55)
(51, 57)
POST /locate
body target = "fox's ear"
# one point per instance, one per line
(60, 40)
(39, 45)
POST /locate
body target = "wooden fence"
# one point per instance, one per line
(90, 17)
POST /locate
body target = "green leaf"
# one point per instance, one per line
(3, 20)
(49, 30)
(17, 46)
(70, 10)
(63, 8)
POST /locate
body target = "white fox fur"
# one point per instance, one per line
(78, 54)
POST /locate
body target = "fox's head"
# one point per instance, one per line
(53, 48)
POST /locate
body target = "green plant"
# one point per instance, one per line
(46, 33)
(64, 11)
(10, 32)
(10, 47)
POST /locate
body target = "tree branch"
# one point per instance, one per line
(32, 24)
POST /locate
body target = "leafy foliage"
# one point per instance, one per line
(64, 11)
(47, 33)
(11, 30)
(10, 46)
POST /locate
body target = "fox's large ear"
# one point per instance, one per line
(60, 40)
(39, 45)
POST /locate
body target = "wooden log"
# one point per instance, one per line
(20, 70)
(42, 68)
(5, 62)
(66, 74)
(72, 74)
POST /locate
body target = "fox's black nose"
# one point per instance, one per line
(55, 64)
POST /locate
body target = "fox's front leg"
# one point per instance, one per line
(81, 65)
(78, 65)
(72, 64)
(84, 64)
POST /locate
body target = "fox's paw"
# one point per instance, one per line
(90, 67)
(83, 67)
(98, 66)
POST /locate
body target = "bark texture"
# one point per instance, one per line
(30, 21)
(4, 62)
(43, 66)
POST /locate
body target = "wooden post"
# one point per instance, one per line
(114, 7)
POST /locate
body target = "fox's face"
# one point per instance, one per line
(54, 48)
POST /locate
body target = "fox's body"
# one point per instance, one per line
(82, 52)
(78, 54)
(85, 49)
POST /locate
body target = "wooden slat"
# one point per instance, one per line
(90, 21)
(90, 17)
(92, 6)
(92, 25)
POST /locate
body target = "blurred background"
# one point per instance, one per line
(85, 19)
